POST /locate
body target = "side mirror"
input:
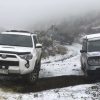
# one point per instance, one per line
(38, 45)
(83, 51)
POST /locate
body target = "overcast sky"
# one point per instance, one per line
(20, 14)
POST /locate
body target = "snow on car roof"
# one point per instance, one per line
(18, 33)
(92, 36)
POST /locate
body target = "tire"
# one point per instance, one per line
(33, 76)
(82, 67)
(89, 76)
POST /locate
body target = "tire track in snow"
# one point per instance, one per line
(73, 50)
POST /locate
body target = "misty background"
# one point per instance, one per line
(37, 14)
(56, 22)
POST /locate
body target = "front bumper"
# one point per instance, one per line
(93, 72)
(93, 67)
(16, 65)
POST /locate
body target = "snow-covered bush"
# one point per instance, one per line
(51, 47)
(61, 49)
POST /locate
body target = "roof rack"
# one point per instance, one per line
(18, 31)
(21, 31)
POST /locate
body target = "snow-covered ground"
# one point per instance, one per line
(72, 51)
(68, 64)
(80, 92)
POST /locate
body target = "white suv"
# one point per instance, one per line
(90, 55)
(20, 53)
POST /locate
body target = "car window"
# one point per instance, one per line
(35, 40)
(84, 47)
(94, 45)
(16, 40)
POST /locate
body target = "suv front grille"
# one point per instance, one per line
(9, 63)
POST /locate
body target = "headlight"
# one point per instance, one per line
(26, 56)
(94, 61)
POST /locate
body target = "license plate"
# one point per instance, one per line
(3, 71)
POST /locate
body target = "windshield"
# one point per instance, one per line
(94, 46)
(15, 40)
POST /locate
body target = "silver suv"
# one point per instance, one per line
(90, 55)
(20, 54)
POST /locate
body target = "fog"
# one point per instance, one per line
(35, 14)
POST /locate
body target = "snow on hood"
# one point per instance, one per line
(90, 54)
(15, 49)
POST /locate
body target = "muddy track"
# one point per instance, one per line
(17, 85)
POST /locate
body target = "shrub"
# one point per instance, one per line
(61, 50)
